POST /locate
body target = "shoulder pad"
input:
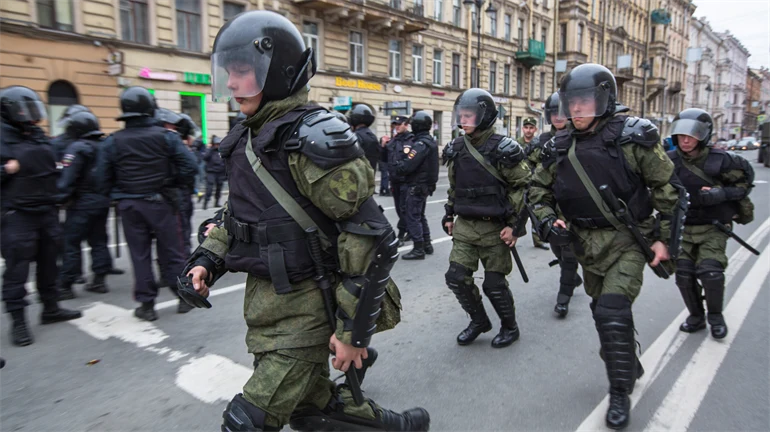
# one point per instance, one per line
(509, 152)
(639, 131)
(325, 139)
(740, 163)
(448, 153)
(548, 154)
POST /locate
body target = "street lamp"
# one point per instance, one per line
(490, 10)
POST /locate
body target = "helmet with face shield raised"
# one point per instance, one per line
(693, 122)
(259, 52)
(588, 90)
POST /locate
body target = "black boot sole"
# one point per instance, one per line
(689, 328)
(478, 333)
(53, 319)
(506, 343)
(716, 334)
(561, 313)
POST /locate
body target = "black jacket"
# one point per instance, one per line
(33, 187)
(78, 185)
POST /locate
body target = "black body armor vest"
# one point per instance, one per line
(478, 194)
(698, 214)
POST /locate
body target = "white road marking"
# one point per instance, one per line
(210, 378)
(685, 397)
(657, 356)
(760, 181)
(428, 202)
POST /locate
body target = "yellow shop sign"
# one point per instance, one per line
(357, 83)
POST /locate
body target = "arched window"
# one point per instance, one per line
(61, 94)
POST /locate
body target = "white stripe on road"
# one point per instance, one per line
(685, 397)
(209, 378)
(657, 356)
(428, 202)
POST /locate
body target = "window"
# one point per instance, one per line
(507, 31)
(580, 37)
(542, 85)
(521, 33)
(417, 63)
(456, 12)
(563, 36)
(61, 94)
(356, 52)
(188, 25)
(438, 67)
(438, 10)
(474, 73)
(232, 9)
(310, 33)
(394, 55)
(492, 76)
(194, 105)
(544, 36)
(519, 81)
(507, 79)
(55, 14)
(474, 23)
(133, 21)
(493, 24)
(455, 70)
(593, 9)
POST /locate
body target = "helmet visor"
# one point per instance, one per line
(468, 115)
(693, 128)
(240, 72)
(28, 111)
(585, 102)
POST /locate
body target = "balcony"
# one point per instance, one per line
(675, 87)
(623, 75)
(379, 16)
(534, 55)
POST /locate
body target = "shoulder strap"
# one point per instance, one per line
(480, 159)
(285, 200)
(698, 172)
(589, 185)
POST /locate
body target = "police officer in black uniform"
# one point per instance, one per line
(420, 169)
(215, 172)
(187, 130)
(87, 207)
(62, 141)
(141, 166)
(30, 227)
(398, 147)
(361, 118)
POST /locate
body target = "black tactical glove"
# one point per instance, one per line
(187, 293)
(444, 220)
(711, 197)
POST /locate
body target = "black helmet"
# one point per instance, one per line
(136, 102)
(165, 115)
(481, 103)
(215, 140)
(264, 44)
(186, 126)
(551, 107)
(421, 122)
(69, 112)
(361, 114)
(83, 124)
(588, 81)
(693, 122)
(21, 105)
(340, 116)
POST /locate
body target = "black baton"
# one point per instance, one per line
(722, 227)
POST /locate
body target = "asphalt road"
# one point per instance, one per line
(179, 372)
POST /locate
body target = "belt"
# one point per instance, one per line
(590, 223)
(477, 192)
(262, 233)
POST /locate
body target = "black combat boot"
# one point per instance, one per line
(691, 294)
(52, 313)
(205, 204)
(475, 308)
(428, 246)
(98, 285)
(714, 290)
(65, 291)
(615, 325)
(562, 305)
(502, 300)
(417, 252)
(20, 334)
(146, 311)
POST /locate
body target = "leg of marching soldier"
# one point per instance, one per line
(463, 261)
(101, 262)
(498, 264)
(569, 279)
(710, 267)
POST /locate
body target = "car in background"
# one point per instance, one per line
(721, 144)
(748, 143)
(730, 144)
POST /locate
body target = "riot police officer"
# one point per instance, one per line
(87, 206)
(30, 228)
(568, 264)
(420, 170)
(718, 183)
(488, 176)
(187, 130)
(361, 118)
(279, 159)
(398, 147)
(62, 141)
(622, 155)
(215, 172)
(142, 166)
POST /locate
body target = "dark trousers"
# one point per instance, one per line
(27, 237)
(384, 179)
(142, 220)
(214, 181)
(91, 225)
(400, 191)
(186, 209)
(416, 224)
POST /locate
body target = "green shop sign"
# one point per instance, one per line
(197, 78)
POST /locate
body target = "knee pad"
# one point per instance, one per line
(455, 276)
(494, 282)
(613, 305)
(242, 416)
(685, 273)
(712, 274)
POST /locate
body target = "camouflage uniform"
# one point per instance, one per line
(533, 150)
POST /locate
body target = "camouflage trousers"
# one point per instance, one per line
(624, 276)
(495, 258)
(284, 380)
(701, 242)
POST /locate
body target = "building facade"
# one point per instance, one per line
(398, 56)
(731, 73)
(753, 103)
